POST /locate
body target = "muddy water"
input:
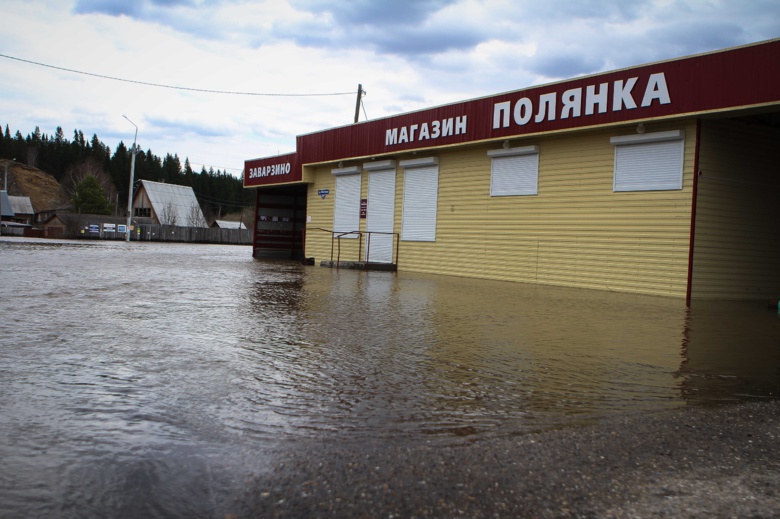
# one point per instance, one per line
(155, 379)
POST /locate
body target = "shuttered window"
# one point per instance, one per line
(346, 214)
(514, 171)
(421, 188)
(649, 162)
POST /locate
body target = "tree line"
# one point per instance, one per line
(71, 161)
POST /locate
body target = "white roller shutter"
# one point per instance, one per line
(514, 171)
(381, 214)
(346, 214)
(421, 188)
(650, 162)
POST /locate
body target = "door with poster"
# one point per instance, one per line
(380, 212)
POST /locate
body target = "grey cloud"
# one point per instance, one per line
(109, 7)
(401, 27)
(588, 45)
(141, 9)
(375, 14)
(555, 10)
(565, 65)
(167, 127)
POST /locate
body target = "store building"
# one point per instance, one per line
(658, 179)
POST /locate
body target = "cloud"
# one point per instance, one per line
(136, 9)
(192, 128)
(377, 15)
(406, 28)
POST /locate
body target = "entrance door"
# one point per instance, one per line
(280, 219)
(380, 215)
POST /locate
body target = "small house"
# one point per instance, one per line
(23, 209)
(168, 204)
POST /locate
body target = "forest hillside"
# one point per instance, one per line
(39, 158)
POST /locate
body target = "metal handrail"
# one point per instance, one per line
(337, 235)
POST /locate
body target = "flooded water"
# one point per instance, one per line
(173, 371)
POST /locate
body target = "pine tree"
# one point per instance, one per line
(89, 198)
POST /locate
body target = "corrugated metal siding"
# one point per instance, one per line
(576, 232)
(737, 242)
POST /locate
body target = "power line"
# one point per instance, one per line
(212, 166)
(173, 87)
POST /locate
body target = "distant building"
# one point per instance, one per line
(23, 209)
(6, 211)
(224, 224)
(168, 204)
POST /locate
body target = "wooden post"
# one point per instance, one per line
(357, 104)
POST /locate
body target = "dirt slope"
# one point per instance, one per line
(44, 191)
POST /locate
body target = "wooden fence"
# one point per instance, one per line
(175, 233)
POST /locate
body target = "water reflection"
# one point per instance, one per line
(731, 352)
(378, 353)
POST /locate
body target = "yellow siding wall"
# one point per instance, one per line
(576, 232)
(737, 244)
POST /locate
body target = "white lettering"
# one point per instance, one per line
(436, 125)
(460, 125)
(423, 132)
(523, 111)
(501, 114)
(546, 107)
(621, 95)
(571, 103)
(592, 98)
(447, 127)
(391, 137)
(403, 136)
(268, 171)
(656, 89)
(412, 129)
(427, 130)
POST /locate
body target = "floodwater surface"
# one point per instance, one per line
(172, 371)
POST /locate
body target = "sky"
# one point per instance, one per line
(223, 81)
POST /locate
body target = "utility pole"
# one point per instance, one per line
(8, 163)
(357, 105)
(132, 174)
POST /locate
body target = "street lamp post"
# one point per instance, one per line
(132, 174)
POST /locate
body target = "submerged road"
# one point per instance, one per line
(168, 380)
(690, 462)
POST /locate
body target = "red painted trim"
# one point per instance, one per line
(695, 196)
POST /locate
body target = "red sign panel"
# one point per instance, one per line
(273, 170)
